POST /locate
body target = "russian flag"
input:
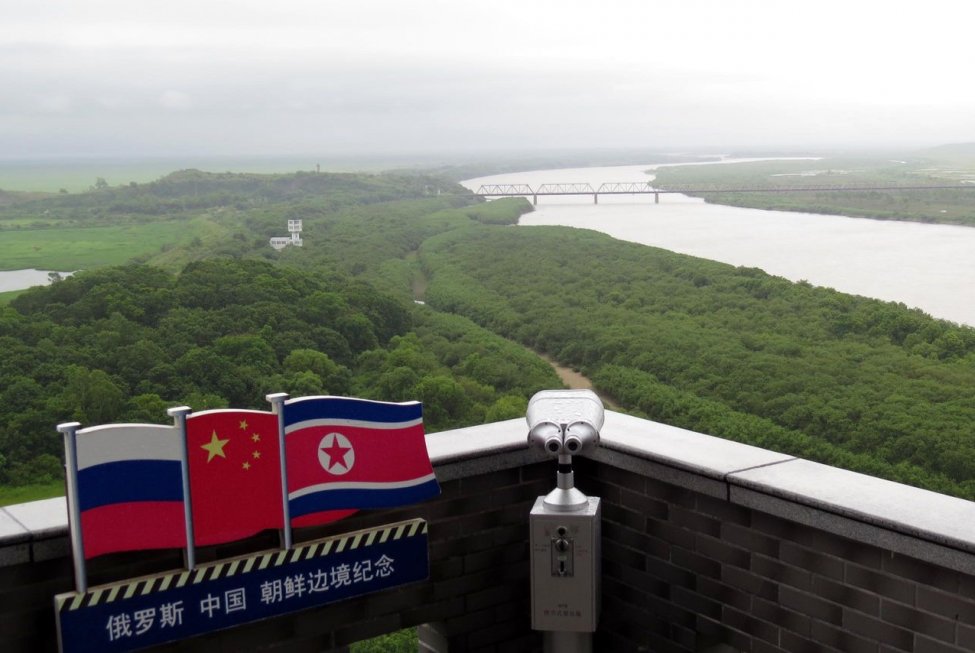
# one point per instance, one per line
(347, 454)
(130, 490)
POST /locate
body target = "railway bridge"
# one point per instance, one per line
(644, 188)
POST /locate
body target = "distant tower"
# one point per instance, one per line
(294, 228)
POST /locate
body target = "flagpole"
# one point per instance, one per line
(69, 429)
(179, 414)
(277, 406)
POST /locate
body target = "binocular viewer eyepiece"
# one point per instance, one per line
(564, 422)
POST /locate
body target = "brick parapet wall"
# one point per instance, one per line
(705, 543)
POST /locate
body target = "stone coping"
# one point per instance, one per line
(924, 524)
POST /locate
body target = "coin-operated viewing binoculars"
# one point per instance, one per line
(565, 524)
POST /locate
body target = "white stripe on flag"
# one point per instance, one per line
(116, 442)
(354, 423)
(361, 485)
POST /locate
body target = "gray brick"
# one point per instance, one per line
(697, 603)
(875, 629)
(640, 581)
(818, 563)
(670, 573)
(921, 572)
(644, 505)
(842, 640)
(624, 555)
(724, 593)
(622, 591)
(921, 622)
(712, 632)
(965, 637)
(670, 533)
(698, 564)
(672, 494)
(794, 643)
(782, 617)
(724, 511)
(811, 605)
(846, 595)
(781, 573)
(926, 645)
(722, 552)
(751, 583)
(431, 612)
(622, 478)
(751, 625)
(490, 482)
(626, 518)
(654, 547)
(750, 539)
(950, 606)
(879, 583)
(695, 521)
(494, 596)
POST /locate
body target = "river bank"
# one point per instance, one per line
(921, 265)
(13, 280)
(953, 204)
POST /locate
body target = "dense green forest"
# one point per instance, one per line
(939, 166)
(859, 383)
(241, 320)
(215, 317)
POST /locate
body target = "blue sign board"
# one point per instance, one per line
(170, 607)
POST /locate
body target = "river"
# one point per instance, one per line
(931, 267)
(21, 279)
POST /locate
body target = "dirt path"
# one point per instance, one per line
(575, 380)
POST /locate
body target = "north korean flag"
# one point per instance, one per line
(344, 454)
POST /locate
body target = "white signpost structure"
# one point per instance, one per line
(294, 228)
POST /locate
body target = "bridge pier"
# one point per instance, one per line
(534, 200)
(595, 198)
(656, 198)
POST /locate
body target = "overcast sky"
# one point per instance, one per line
(248, 77)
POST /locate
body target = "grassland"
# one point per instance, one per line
(77, 248)
(955, 206)
(6, 297)
(24, 493)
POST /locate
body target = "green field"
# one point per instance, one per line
(77, 248)
(23, 493)
(50, 176)
(6, 297)
(946, 206)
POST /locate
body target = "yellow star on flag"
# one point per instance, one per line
(256, 437)
(215, 447)
(243, 425)
(246, 465)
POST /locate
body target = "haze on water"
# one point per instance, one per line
(926, 266)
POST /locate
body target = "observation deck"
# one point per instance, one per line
(708, 545)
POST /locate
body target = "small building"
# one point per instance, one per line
(294, 228)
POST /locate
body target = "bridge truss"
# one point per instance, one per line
(644, 188)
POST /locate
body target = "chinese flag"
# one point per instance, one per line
(235, 474)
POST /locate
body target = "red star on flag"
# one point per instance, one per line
(335, 454)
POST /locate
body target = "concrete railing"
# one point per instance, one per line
(706, 543)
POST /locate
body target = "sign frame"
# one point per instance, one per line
(138, 613)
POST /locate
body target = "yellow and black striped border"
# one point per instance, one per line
(240, 566)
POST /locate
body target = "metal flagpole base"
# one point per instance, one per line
(560, 641)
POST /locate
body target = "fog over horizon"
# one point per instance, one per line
(109, 78)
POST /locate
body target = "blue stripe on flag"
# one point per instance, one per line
(344, 408)
(362, 498)
(130, 480)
